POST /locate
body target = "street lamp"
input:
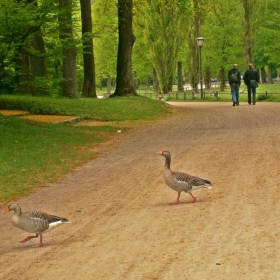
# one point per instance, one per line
(199, 41)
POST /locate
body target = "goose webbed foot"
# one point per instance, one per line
(177, 201)
(40, 244)
(194, 198)
(28, 238)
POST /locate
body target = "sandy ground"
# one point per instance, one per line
(122, 224)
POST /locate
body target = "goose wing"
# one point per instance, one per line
(189, 180)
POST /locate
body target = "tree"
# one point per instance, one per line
(224, 39)
(88, 55)
(266, 56)
(22, 44)
(105, 22)
(69, 82)
(180, 76)
(164, 23)
(253, 18)
(194, 28)
(124, 81)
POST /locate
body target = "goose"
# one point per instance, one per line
(33, 222)
(181, 182)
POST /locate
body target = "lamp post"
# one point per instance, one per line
(199, 41)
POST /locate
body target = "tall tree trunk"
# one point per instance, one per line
(222, 75)
(269, 75)
(247, 37)
(23, 71)
(109, 85)
(263, 76)
(124, 81)
(193, 62)
(39, 65)
(88, 54)
(30, 62)
(207, 80)
(155, 81)
(69, 83)
(180, 76)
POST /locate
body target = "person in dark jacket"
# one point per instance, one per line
(234, 82)
(251, 74)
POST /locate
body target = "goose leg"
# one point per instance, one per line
(177, 201)
(194, 198)
(40, 244)
(28, 238)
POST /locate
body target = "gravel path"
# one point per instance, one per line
(122, 224)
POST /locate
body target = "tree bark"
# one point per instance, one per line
(263, 76)
(269, 76)
(180, 76)
(31, 66)
(155, 81)
(124, 81)
(207, 79)
(222, 75)
(193, 63)
(247, 38)
(88, 54)
(69, 82)
(39, 65)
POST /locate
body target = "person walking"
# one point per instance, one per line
(234, 78)
(251, 80)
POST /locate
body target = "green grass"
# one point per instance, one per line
(110, 109)
(35, 153)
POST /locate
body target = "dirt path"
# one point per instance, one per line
(122, 225)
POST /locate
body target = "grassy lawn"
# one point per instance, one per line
(35, 153)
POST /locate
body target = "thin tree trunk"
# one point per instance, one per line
(223, 78)
(194, 50)
(109, 85)
(23, 71)
(263, 76)
(69, 83)
(180, 76)
(207, 80)
(247, 39)
(88, 54)
(269, 75)
(39, 65)
(155, 82)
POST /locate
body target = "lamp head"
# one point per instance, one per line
(199, 41)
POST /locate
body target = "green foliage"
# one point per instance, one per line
(162, 29)
(223, 36)
(269, 53)
(164, 22)
(105, 22)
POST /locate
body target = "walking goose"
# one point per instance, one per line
(181, 182)
(33, 222)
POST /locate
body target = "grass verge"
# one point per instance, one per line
(35, 153)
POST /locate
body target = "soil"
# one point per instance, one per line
(40, 118)
(122, 224)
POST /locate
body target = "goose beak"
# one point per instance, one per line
(159, 153)
(6, 210)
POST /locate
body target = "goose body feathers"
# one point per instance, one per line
(180, 181)
(33, 221)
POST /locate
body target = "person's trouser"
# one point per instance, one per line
(251, 91)
(235, 93)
